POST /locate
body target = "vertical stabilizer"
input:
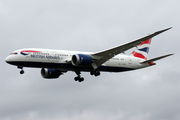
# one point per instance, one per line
(142, 50)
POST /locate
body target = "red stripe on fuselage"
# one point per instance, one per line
(31, 51)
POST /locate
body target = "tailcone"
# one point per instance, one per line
(151, 63)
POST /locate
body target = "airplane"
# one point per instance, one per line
(54, 63)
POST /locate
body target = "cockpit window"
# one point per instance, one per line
(14, 53)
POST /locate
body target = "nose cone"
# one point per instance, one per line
(8, 60)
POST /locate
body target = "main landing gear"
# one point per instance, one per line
(95, 73)
(78, 78)
(22, 71)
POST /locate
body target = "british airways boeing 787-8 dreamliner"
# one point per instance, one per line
(54, 63)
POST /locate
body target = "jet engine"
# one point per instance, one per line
(50, 73)
(81, 60)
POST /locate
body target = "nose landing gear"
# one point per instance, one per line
(22, 71)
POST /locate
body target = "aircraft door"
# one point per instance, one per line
(129, 61)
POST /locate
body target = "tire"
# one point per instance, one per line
(76, 78)
(22, 72)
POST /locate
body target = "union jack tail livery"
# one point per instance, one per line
(142, 50)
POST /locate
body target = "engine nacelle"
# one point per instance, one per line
(50, 73)
(81, 60)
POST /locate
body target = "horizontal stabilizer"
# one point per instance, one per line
(155, 59)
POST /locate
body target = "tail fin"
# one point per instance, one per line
(142, 50)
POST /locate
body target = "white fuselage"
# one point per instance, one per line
(61, 60)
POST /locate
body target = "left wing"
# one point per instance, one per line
(103, 56)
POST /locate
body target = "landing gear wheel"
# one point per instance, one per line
(22, 72)
(95, 73)
(78, 78)
(21, 67)
(81, 79)
(92, 72)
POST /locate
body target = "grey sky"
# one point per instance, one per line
(152, 93)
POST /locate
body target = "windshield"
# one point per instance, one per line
(14, 53)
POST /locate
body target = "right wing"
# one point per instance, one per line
(103, 56)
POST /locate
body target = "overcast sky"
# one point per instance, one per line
(93, 25)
